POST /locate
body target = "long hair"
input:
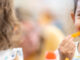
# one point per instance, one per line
(8, 21)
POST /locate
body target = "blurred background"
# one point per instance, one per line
(62, 8)
(44, 12)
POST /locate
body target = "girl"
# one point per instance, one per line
(9, 32)
(68, 42)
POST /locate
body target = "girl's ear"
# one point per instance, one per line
(73, 16)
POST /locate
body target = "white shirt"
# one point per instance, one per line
(11, 54)
(77, 54)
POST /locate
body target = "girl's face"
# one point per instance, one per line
(30, 37)
(76, 16)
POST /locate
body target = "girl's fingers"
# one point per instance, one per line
(65, 40)
(71, 48)
(68, 42)
(69, 45)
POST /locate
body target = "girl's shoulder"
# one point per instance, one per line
(12, 54)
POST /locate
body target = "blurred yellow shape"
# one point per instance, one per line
(76, 34)
(66, 58)
(46, 17)
(44, 21)
(52, 37)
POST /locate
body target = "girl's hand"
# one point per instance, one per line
(67, 48)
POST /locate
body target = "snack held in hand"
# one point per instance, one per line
(76, 34)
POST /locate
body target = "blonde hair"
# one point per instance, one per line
(8, 21)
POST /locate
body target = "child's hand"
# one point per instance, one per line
(67, 48)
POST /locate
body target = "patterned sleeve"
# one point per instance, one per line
(15, 52)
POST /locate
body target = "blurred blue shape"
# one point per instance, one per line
(58, 24)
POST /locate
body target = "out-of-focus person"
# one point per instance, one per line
(30, 37)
